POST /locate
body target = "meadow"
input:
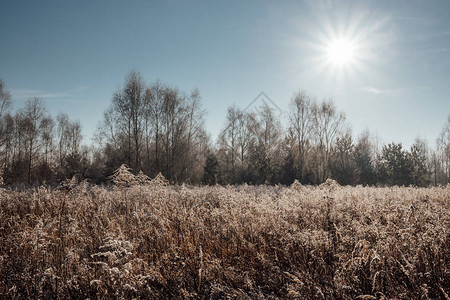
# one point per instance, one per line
(158, 241)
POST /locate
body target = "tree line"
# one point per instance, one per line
(158, 128)
(318, 144)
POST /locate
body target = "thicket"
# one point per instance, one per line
(155, 128)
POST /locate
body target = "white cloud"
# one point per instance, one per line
(60, 96)
(24, 93)
(72, 100)
(377, 91)
(373, 90)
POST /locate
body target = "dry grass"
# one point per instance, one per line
(240, 242)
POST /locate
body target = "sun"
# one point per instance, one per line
(341, 52)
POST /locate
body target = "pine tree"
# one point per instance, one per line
(211, 170)
(420, 173)
(395, 166)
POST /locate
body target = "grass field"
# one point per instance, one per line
(236, 242)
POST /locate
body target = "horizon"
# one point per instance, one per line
(385, 65)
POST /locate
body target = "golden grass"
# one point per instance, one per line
(241, 242)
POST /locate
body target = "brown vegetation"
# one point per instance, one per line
(159, 241)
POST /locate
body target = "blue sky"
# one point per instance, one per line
(75, 54)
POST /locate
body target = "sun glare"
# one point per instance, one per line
(341, 52)
(340, 48)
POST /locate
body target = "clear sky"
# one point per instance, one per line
(386, 64)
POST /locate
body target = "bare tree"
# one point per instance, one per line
(235, 140)
(443, 154)
(107, 130)
(62, 130)
(5, 100)
(47, 134)
(182, 133)
(328, 124)
(69, 142)
(5, 120)
(244, 135)
(7, 140)
(154, 98)
(230, 134)
(301, 121)
(75, 137)
(33, 114)
(158, 129)
(264, 146)
(129, 103)
(420, 158)
(269, 130)
(195, 136)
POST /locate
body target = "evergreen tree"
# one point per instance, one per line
(395, 166)
(421, 174)
(364, 161)
(342, 165)
(289, 171)
(211, 170)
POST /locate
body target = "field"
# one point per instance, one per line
(235, 242)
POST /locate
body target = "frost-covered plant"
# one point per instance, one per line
(330, 184)
(123, 176)
(159, 180)
(68, 184)
(115, 252)
(296, 186)
(142, 179)
(236, 242)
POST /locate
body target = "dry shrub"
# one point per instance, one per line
(237, 242)
(123, 176)
(330, 184)
(297, 186)
(159, 180)
(142, 179)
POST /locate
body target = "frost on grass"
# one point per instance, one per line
(330, 184)
(297, 186)
(123, 176)
(159, 180)
(236, 242)
(142, 179)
